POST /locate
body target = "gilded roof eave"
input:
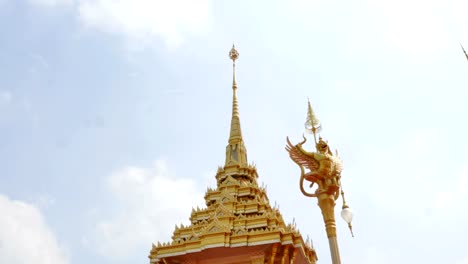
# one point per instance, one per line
(238, 214)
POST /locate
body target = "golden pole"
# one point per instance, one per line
(326, 203)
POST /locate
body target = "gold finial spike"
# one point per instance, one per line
(234, 55)
(235, 122)
(312, 124)
(236, 152)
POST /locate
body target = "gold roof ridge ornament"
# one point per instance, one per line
(324, 169)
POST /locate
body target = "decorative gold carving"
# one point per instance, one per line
(324, 168)
(233, 54)
(235, 215)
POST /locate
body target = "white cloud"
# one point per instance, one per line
(142, 21)
(374, 254)
(51, 3)
(421, 28)
(5, 97)
(402, 168)
(24, 237)
(145, 19)
(151, 201)
(455, 195)
(44, 201)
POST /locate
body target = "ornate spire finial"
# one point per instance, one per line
(233, 54)
(236, 153)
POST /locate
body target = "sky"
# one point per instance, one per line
(115, 114)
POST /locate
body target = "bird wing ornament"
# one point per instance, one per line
(324, 168)
(301, 157)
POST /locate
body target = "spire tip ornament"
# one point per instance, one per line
(233, 54)
(236, 154)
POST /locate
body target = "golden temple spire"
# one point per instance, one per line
(238, 222)
(235, 152)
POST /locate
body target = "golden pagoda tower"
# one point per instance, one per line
(238, 225)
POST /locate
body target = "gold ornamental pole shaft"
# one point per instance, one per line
(323, 168)
(326, 203)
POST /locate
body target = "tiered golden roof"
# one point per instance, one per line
(238, 224)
